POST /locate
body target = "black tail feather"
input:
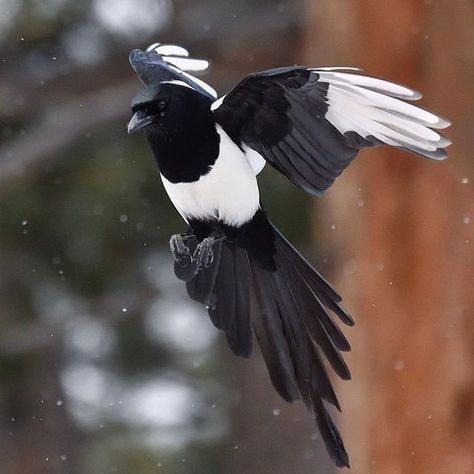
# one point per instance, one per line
(319, 284)
(322, 330)
(223, 314)
(226, 297)
(311, 375)
(259, 284)
(270, 333)
(239, 333)
(330, 435)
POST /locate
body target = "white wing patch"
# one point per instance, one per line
(372, 107)
(374, 83)
(179, 57)
(168, 49)
(336, 68)
(188, 64)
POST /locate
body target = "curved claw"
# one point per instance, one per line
(180, 251)
(182, 247)
(204, 255)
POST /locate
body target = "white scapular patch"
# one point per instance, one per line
(217, 103)
(372, 107)
(228, 193)
(256, 160)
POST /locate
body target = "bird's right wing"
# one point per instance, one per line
(310, 123)
(170, 63)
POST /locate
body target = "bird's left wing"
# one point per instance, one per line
(310, 123)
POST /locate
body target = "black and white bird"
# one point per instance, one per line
(307, 123)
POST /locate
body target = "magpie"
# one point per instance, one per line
(307, 123)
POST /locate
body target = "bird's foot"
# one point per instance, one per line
(180, 250)
(204, 255)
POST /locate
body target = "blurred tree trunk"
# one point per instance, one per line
(403, 242)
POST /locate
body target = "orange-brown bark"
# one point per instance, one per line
(404, 239)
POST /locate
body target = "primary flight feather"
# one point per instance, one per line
(309, 124)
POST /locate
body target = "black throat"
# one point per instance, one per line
(185, 143)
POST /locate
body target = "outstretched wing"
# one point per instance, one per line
(310, 123)
(170, 63)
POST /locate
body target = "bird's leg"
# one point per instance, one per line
(204, 255)
(180, 250)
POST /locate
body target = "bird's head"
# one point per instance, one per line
(164, 108)
(170, 94)
(150, 106)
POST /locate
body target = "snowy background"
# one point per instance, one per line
(105, 365)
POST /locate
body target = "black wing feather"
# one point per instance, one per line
(264, 112)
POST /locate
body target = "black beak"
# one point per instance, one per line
(139, 120)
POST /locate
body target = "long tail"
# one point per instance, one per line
(259, 284)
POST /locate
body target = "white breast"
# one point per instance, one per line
(228, 193)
